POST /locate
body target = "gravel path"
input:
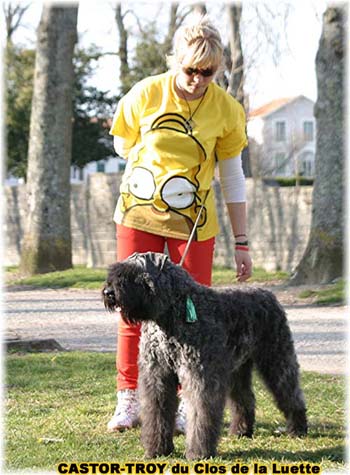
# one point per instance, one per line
(78, 321)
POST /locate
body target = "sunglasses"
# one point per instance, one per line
(203, 72)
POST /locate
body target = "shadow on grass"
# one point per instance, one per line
(334, 454)
(70, 396)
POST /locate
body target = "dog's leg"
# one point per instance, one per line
(158, 406)
(242, 402)
(280, 372)
(205, 406)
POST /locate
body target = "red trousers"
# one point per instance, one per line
(198, 262)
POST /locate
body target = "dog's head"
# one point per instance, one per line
(131, 286)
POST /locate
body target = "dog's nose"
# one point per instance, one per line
(108, 292)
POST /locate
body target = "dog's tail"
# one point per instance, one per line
(276, 361)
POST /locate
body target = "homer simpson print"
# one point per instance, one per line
(161, 189)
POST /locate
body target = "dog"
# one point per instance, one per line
(208, 341)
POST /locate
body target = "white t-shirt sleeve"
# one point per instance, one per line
(232, 180)
(122, 146)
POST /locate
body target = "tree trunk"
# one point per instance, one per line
(235, 83)
(323, 259)
(236, 71)
(200, 8)
(172, 27)
(123, 50)
(47, 239)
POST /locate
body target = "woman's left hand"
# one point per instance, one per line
(244, 265)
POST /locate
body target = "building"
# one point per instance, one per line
(79, 175)
(112, 164)
(282, 137)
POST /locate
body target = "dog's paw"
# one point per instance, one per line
(240, 430)
(297, 425)
(297, 432)
(199, 454)
(159, 451)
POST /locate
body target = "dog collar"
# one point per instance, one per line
(191, 314)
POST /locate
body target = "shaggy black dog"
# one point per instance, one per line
(208, 341)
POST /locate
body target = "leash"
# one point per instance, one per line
(190, 239)
(191, 314)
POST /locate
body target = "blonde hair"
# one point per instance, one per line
(198, 43)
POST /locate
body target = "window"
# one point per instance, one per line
(280, 164)
(100, 166)
(280, 131)
(77, 173)
(308, 129)
(121, 165)
(306, 164)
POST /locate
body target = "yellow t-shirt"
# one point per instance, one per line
(170, 168)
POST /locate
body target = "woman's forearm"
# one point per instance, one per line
(238, 218)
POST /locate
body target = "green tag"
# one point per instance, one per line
(191, 314)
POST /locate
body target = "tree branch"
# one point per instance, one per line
(13, 13)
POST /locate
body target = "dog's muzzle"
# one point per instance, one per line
(109, 298)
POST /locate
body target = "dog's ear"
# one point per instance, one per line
(146, 281)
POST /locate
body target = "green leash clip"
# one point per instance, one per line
(191, 314)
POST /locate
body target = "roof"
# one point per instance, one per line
(271, 107)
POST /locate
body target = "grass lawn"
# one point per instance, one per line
(58, 405)
(333, 294)
(81, 277)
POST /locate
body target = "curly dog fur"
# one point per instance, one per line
(211, 357)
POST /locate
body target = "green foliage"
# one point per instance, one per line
(148, 58)
(288, 181)
(58, 405)
(91, 140)
(91, 107)
(19, 70)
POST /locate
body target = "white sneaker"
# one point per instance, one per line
(126, 415)
(180, 418)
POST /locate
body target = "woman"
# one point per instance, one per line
(173, 128)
